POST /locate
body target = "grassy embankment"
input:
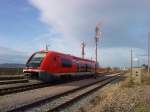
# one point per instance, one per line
(123, 96)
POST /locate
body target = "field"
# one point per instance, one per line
(10, 71)
(123, 96)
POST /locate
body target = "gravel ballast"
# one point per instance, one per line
(16, 100)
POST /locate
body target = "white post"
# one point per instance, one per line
(148, 53)
(131, 62)
(97, 36)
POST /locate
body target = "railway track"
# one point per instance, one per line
(72, 98)
(10, 90)
(61, 101)
(11, 77)
(16, 89)
(13, 81)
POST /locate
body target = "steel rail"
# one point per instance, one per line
(13, 81)
(11, 77)
(71, 101)
(52, 98)
(10, 90)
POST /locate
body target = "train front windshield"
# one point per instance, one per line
(36, 60)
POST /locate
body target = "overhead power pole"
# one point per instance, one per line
(97, 36)
(131, 63)
(46, 47)
(148, 53)
(82, 48)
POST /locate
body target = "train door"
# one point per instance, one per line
(78, 67)
(86, 68)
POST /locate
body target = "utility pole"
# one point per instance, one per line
(97, 36)
(82, 47)
(131, 62)
(47, 47)
(138, 63)
(148, 53)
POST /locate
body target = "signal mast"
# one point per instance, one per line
(97, 37)
(83, 51)
(46, 47)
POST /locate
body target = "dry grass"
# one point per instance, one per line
(128, 82)
(10, 71)
(81, 109)
(146, 79)
(124, 96)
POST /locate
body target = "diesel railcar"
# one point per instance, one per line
(49, 65)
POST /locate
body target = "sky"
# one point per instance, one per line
(26, 26)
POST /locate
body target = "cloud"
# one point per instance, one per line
(8, 55)
(121, 56)
(124, 24)
(124, 21)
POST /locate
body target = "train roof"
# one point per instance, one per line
(74, 57)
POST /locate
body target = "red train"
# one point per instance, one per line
(48, 65)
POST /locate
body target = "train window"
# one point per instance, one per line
(36, 60)
(83, 66)
(89, 66)
(66, 62)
